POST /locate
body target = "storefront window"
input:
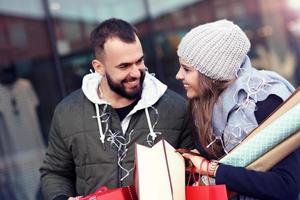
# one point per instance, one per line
(28, 94)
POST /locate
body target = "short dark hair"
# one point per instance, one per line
(111, 28)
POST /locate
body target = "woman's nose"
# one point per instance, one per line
(179, 75)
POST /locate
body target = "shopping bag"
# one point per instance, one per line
(204, 192)
(159, 172)
(103, 193)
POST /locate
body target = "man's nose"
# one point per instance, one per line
(136, 71)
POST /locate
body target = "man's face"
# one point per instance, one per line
(131, 92)
(123, 67)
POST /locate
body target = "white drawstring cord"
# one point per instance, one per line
(115, 139)
(102, 136)
(251, 93)
(211, 142)
(217, 138)
(152, 133)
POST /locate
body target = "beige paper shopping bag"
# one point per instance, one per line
(160, 172)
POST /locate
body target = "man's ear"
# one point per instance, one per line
(98, 67)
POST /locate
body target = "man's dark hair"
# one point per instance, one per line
(111, 28)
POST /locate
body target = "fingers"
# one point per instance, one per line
(195, 151)
(192, 158)
(187, 155)
(188, 162)
(182, 151)
(196, 160)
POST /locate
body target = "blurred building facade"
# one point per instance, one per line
(48, 40)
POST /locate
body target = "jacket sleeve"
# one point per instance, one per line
(281, 182)
(57, 171)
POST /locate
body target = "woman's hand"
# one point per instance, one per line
(195, 160)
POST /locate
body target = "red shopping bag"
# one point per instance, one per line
(204, 192)
(103, 193)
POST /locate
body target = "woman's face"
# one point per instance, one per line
(189, 78)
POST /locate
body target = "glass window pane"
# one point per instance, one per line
(28, 94)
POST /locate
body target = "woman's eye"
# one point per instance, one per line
(186, 69)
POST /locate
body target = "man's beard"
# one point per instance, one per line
(120, 89)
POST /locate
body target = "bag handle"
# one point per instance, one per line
(207, 167)
(207, 175)
(192, 173)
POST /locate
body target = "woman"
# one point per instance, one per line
(227, 99)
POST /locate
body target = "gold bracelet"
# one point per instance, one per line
(212, 167)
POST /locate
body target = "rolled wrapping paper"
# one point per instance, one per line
(275, 155)
(273, 134)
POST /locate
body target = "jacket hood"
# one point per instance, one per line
(153, 89)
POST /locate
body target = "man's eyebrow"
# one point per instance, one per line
(127, 63)
(141, 58)
(123, 64)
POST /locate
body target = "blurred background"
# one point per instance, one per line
(45, 52)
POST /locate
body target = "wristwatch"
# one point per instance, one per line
(212, 167)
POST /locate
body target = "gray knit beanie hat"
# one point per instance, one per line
(215, 49)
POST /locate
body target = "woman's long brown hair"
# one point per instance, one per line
(201, 109)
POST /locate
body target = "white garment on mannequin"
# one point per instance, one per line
(22, 141)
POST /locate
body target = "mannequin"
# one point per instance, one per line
(22, 147)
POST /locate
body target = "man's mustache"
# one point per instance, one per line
(130, 79)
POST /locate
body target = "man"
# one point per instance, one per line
(91, 141)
